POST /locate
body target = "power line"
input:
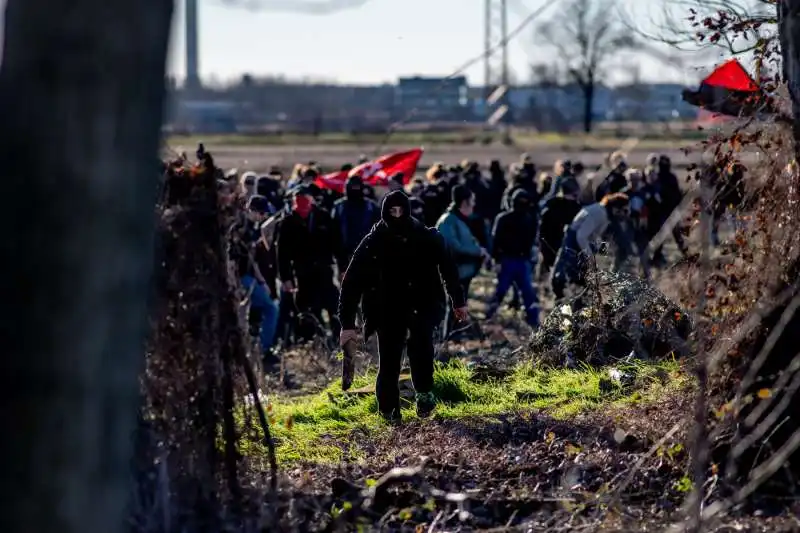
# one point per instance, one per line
(503, 42)
(327, 7)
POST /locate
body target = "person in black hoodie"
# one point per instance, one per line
(353, 217)
(403, 303)
(557, 213)
(305, 253)
(514, 242)
(668, 192)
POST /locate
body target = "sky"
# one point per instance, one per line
(377, 41)
(373, 43)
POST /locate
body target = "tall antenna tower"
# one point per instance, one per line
(192, 45)
(496, 75)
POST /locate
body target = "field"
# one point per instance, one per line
(259, 153)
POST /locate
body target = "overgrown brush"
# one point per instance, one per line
(197, 366)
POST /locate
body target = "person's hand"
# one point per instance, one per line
(288, 286)
(347, 335)
(461, 314)
(485, 254)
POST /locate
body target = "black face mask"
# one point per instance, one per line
(399, 224)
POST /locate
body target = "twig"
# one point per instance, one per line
(700, 444)
(262, 418)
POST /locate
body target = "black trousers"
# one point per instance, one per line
(392, 340)
(316, 293)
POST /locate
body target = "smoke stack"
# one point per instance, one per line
(192, 52)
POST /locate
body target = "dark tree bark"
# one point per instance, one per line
(588, 107)
(789, 35)
(81, 91)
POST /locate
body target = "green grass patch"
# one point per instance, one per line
(320, 427)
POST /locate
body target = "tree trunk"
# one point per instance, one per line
(81, 91)
(789, 34)
(588, 106)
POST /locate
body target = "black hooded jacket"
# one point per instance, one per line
(514, 232)
(396, 273)
(557, 213)
(305, 248)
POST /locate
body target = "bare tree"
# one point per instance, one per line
(680, 23)
(81, 94)
(586, 34)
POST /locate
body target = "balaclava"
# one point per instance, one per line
(396, 199)
(354, 188)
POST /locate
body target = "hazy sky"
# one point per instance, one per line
(376, 42)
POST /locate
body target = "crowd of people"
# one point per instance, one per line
(315, 263)
(531, 228)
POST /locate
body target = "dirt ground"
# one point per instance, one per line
(261, 158)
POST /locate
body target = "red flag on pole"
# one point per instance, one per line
(334, 181)
(376, 172)
(730, 90)
(731, 75)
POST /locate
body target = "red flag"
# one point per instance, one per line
(379, 171)
(334, 181)
(376, 172)
(729, 90)
(731, 75)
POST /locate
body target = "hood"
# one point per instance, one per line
(396, 199)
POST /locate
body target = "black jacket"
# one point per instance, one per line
(305, 247)
(514, 235)
(557, 213)
(352, 220)
(613, 183)
(396, 276)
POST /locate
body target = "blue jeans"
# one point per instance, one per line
(261, 301)
(517, 272)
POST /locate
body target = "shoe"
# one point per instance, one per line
(426, 403)
(394, 418)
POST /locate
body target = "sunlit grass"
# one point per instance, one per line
(323, 427)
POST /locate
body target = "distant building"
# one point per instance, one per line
(206, 116)
(432, 99)
(564, 105)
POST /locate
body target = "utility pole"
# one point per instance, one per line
(192, 45)
(496, 74)
(505, 125)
